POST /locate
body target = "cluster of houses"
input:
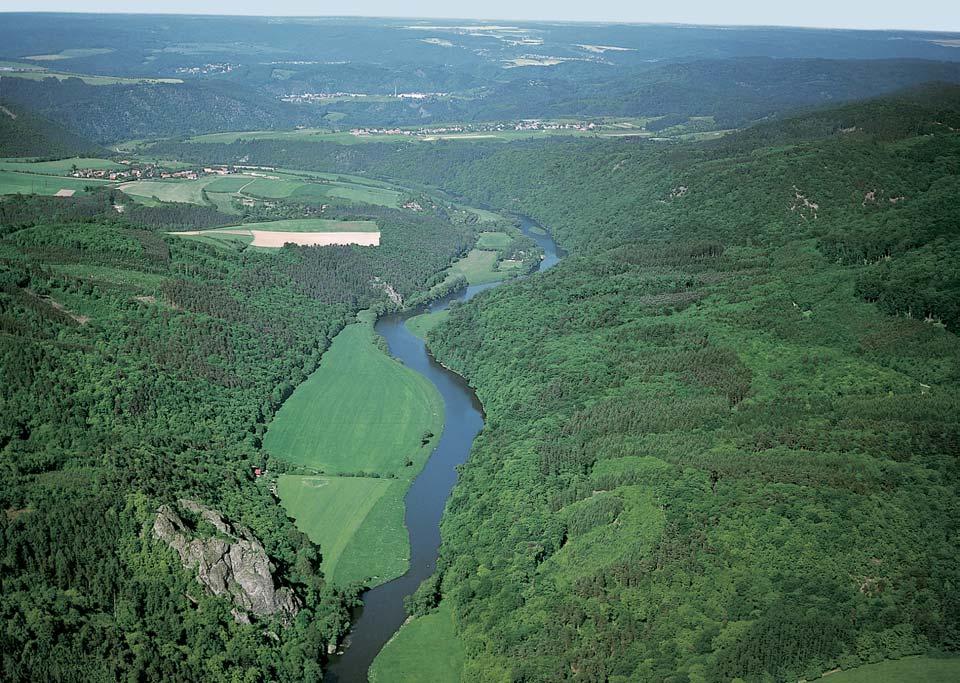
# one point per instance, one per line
(139, 171)
(526, 124)
(224, 68)
(314, 97)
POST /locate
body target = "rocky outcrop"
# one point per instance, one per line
(231, 563)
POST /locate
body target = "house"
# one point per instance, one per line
(257, 472)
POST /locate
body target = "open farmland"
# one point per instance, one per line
(58, 167)
(303, 231)
(358, 521)
(188, 191)
(360, 411)
(12, 182)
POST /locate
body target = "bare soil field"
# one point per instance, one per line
(274, 239)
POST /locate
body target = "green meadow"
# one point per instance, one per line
(360, 411)
(357, 521)
(479, 267)
(313, 225)
(58, 167)
(423, 323)
(493, 240)
(12, 182)
(425, 650)
(907, 670)
(186, 191)
(363, 412)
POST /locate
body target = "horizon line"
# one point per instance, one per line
(680, 24)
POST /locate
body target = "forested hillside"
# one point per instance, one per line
(23, 134)
(722, 436)
(139, 369)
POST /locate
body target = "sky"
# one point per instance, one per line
(930, 15)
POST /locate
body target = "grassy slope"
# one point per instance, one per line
(12, 182)
(477, 267)
(314, 225)
(60, 166)
(907, 670)
(426, 650)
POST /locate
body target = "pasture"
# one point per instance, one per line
(492, 241)
(906, 670)
(187, 191)
(12, 182)
(89, 79)
(357, 522)
(424, 650)
(479, 267)
(271, 185)
(59, 167)
(360, 411)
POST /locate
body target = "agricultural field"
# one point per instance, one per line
(906, 670)
(480, 266)
(306, 188)
(89, 79)
(425, 650)
(187, 191)
(358, 521)
(360, 411)
(12, 182)
(302, 231)
(491, 241)
(59, 167)
(71, 54)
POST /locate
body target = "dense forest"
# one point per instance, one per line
(23, 134)
(139, 369)
(721, 437)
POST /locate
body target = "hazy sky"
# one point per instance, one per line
(934, 15)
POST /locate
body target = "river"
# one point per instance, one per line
(382, 612)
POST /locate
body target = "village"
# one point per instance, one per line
(138, 171)
(499, 127)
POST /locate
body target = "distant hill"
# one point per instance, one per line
(24, 134)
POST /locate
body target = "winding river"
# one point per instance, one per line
(382, 612)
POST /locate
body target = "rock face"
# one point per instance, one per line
(233, 563)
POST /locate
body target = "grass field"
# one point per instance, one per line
(89, 79)
(187, 191)
(60, 167)
(360, 411)
(493, 240)
(423, 323)
(478, 267)
(314, 225)
(71, 53)
(12, 182)
(426, 650)
(357, 521)
(907, 670)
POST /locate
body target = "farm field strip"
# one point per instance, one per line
(15, 182)
(362, 413)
